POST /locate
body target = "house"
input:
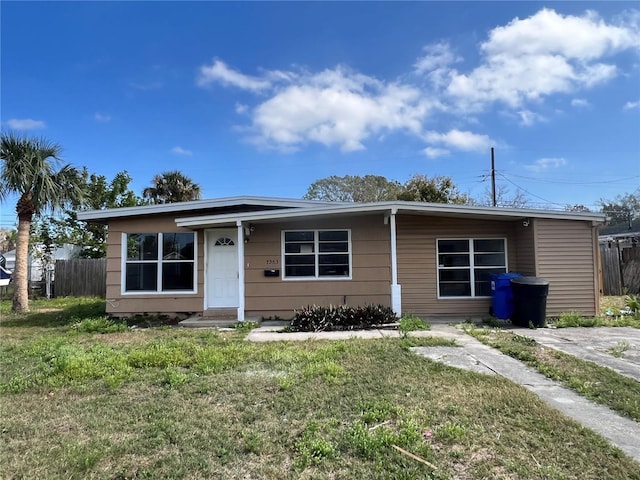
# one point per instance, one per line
(36, 261)
(254, 257)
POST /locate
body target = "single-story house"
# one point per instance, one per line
(255, 257)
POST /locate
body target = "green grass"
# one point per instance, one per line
(593, 381)
(85, 398)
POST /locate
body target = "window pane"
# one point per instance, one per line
(455, 289)
(482, 280)
(333, 236)
(455, 275)
(177, 276)
(334, 270)
(453, 246)
(334, 247)
(300, 271)
(141, 276)
(177, 246)
(300, 260)
(142, 246)
(488, 245)
(333, 259)
(298, 247)
(298, 236)
(450, 260)
(488, 259)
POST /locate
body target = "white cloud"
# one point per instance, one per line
(543, 164)
(337, 108)
(241, 108)
(528, 118)
(433, 152)
(580, 102)
(218, 71)
(631, 105)
(461, 140)
(436, 63)
(541, 55)
(522, 63)
(181, 151)
(101, 117)
(25, 124)
(437, 55)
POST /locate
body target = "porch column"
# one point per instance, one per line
(240, 271)
(396, 290)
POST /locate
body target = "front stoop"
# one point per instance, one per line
(219, 318)
(206, 322)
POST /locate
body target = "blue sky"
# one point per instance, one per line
(264, 98)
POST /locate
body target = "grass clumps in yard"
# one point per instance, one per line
(188, 404)
(411, 323)
(593, 381)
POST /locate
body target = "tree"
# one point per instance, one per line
(623, 209)
(28, 171)
(8, 239)
(91, 236)
(440, 189)
(171, 187)
(353, 188)
(576, 207)
(505, 199)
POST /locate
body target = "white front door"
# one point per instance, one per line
(222, 268)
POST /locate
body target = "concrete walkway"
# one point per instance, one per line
(473, 355)
(595, 345)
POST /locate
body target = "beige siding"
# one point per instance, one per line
(525, 249)
(566, 258)
(119, 304)
(417, 270)
(371, 270)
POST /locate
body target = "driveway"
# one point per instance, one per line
(598, 344)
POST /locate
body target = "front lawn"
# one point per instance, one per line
(174, 403)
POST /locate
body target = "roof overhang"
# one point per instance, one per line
(194, 206)
(411, 208)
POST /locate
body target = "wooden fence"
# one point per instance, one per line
(81, 277)
(620, 267)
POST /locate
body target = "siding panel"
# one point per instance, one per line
(417, 269)
(565, 257)
(371, 268)
(118, 304)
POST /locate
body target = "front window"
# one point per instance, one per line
(317, 254)
(159, 262)
(465, 265)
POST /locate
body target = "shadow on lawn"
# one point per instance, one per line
(52, 313)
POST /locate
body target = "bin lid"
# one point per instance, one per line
(503, 276)
(530, 281)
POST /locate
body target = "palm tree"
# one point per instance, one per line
(171, 187)
(28, 171)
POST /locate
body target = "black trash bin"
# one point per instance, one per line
(529, 301)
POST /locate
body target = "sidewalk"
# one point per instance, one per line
(473, 355)
(594, 345)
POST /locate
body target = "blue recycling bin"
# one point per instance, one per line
(502, 295)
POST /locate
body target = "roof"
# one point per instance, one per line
(622, 229)
(388, 207)
(193, 206)
(278, 208)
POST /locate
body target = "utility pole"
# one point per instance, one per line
(493, 178)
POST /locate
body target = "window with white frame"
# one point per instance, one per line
(465, 265)
(159, 262)
(317, 254)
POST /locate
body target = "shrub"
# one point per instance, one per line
(315, 318)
